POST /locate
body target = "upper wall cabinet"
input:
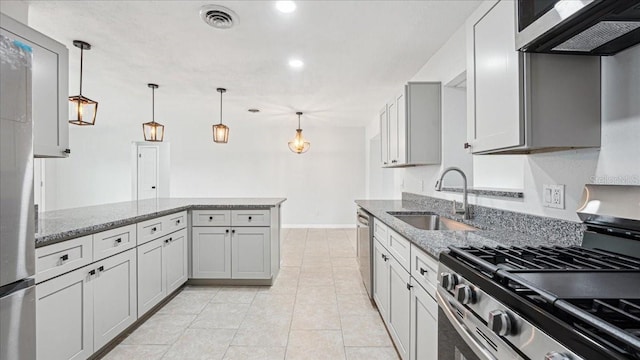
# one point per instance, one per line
(50, 88)
(523, 103)
(410, 126)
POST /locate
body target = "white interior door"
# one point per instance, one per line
(147, 172)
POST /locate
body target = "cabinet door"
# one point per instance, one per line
(381, 279)
(495, 104)
(211, 252)
(401, 136)
(399, 321)
(424, 325)
(114, 297)
(64, 306)
(152, 286)
(384, 136)
(392, 114)
(176, 260)
(250, 253)
(50, 87)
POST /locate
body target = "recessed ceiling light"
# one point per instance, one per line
(286, 7)
(296, 63)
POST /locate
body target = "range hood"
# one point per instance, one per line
(580, 27)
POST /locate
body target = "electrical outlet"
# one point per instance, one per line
(553, 196)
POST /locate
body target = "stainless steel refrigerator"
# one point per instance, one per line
(17, 243)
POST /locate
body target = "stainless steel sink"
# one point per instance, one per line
(431, 221)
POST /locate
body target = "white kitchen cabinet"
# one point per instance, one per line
(176, 260)
(424, 324)
(211, 252)
(523, 102)
(399, 317)
(64, 306)
(152, 285)
(162, 268)
(114, 297)
(384, 136)
(250, 253)
(50, 88)
(410, 126)
(90, 306)
(381, 279)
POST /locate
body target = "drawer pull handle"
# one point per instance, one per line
(422, 271)
(233, 231)
(177, 222)
(168, 240)
(101, 269)
(64, 257)
(409, 286)
(249, 218)
(210, 218)
(118, 241)
(227, 231)
(92, 272)
(385, 257)
(154, 229)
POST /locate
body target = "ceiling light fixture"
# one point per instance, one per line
(286, 7)
(296, 63)
(221, 131)
(152, 130)
(299, 145)
(82, 107)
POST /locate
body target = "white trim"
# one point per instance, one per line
(319, 226)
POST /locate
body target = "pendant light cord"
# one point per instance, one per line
(153, 104)
(81, 61)
(298, 121)
(220, 107)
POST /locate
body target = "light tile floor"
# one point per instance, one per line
(317, 309)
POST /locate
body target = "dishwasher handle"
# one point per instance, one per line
(363, 220)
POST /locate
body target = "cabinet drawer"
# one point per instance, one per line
(175, 222)
(381, 232)
(250, 218)
(57, 259)
(424, 269)
(211, 217)
(150, 229)
(400, 248)
(113, 241)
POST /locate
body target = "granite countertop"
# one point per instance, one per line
(435, 241)
(60, 225)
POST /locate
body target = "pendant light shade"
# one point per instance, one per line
(221, 131)
(152, 130)
(299, 145)
(82, 109)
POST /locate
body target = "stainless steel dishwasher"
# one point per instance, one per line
(364, 220)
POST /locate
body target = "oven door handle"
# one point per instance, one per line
(363, 220)
(478, 349)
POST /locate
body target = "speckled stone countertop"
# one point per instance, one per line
(60, 225)
(435, 241)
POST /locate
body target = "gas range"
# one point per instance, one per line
(552, 303)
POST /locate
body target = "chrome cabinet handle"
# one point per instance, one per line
(101, 269)
(64, 257)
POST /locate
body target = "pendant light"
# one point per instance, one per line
(221, 131)
(82, 108)
(152, 130)
(299, 145)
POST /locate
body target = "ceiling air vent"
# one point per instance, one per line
(218, 16)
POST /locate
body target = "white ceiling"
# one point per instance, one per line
(356, 53)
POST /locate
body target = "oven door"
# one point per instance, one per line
(537, 17)
(462, 336)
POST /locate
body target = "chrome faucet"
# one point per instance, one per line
(465, 206)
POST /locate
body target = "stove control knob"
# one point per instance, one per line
(554, 355)
(449, 281)
(464, 294)
(499, 322)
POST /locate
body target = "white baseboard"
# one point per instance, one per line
(318, 226)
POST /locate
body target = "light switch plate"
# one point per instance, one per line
(553, 196)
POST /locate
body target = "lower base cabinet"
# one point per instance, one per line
(381, 279)
(424, 324)
(162, 268)
(79, 312)
(231, 252)
(399, 317)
